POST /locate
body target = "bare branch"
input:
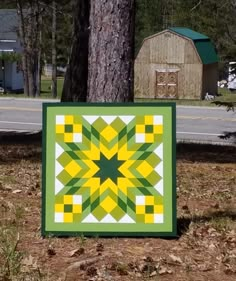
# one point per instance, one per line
(199, 3)
(229, 33)
(58, 10)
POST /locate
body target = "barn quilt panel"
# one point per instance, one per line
(109, 170)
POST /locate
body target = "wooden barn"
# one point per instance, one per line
(177, 63)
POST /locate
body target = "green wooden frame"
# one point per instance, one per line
(109, 169)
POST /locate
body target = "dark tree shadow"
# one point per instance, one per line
(208, 153)
(183, 223)
(16, 146)
(229, 135)
(16, 137)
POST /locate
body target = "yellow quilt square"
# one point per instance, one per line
(158, 209)
(149, 138)
(77, 128)
(140, 129)
(140, 210)
(158, 129)
(69, 119)
(68, 217)
(149, 200)
(60, 129)
(148, 120)
(68, 137)
(77, 209)
(59, 208)
(68, 199)
(149, 218)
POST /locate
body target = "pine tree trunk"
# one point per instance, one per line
(25, 74)
(111, 51)
(29, 31)
(54, 50)
(38, 48)
(23, 44)
(30, 72)
(30, 51)
(75, 83)
(38, 71)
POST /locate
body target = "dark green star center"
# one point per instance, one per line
(108, 168)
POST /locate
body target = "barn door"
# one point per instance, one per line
(167, 84)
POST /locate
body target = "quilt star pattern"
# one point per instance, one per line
(108, 173)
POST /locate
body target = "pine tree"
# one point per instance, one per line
(152, 16)
(75, 83)
(111, 46)
(54, 50)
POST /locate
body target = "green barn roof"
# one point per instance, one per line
(202, 43)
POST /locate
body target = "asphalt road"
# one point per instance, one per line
(194, 124)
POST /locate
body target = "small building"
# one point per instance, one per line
(177, 63)
(232, 76)
(11, 76)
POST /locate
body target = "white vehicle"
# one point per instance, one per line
(232, 76)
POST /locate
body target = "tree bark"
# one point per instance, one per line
(54, 50)
(38, 49)
(23, 44)
(38, 74)
(75, 83)
(29, 50)
(30, 27)
(111, 51)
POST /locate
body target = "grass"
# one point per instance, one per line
(224, 95)
(11, 258)
(46, 87)
(9, 238)
(46, 92)
(8, 179)
(222, 224)
(14, 264)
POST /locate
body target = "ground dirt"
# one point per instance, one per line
(205, 248)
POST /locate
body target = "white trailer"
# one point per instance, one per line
(232, 76)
